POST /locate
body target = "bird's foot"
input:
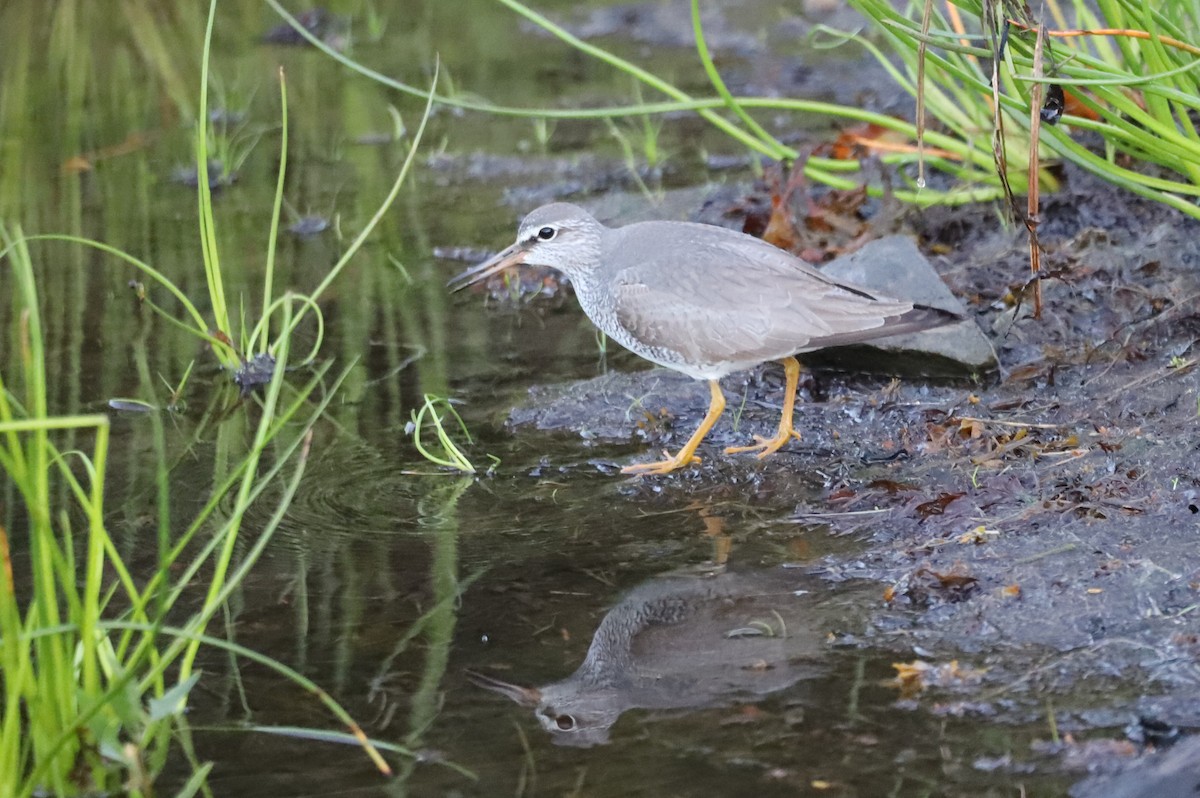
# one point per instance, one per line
(766, 446)
(662, 466)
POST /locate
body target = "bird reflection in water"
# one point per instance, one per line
(682, 641)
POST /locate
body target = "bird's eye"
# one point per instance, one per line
(565, 722)
(547, 233)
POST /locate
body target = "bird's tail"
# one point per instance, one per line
(921, 317)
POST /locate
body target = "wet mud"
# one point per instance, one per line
(1039, 524)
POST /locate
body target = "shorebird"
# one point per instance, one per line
(703, 300)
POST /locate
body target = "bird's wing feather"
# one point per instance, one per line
(738, 302)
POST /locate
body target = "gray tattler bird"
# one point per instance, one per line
(703, 300)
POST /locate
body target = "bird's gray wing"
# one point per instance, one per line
(730, 302)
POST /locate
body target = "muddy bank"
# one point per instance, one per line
(1040, 525)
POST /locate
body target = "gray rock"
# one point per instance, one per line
(894, 266)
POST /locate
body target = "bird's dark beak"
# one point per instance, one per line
(525, 696)
(509, 257)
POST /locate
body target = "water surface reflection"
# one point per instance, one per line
(682, 641)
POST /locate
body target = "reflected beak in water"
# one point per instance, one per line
(509, 257)
(525, 696)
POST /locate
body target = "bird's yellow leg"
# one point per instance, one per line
(716, 406)
(765, 446)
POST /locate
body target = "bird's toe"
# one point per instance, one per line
(661, 467)
(764, 445)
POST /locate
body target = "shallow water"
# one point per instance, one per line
(378, 543)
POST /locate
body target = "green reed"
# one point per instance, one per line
(1132, 65)
(450, 454)
(86, 652)
(97, 663)
(1137, 78)
(968, 161)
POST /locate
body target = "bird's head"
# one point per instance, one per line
(576, 715)
(559, 236)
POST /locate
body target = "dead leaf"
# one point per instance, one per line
(926, 585)
(971, 428)
(891, 487)
(978, 536)
(918, 675)
(937, 506)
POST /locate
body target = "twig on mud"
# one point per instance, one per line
(1032, 204)
(1056, 660)
(599, 577)
(1121, 347)
(1028, 424)
(1153, 566)
(691, 508)
(1070, 453)
(846, 514)
(1160, 318)
(1183, 612)
(1151, 379)
(1075, 454)
(1063, 549)
(932, 545)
